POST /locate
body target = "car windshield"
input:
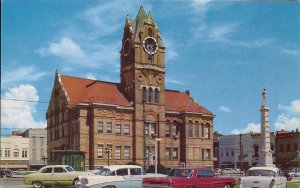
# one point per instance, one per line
(180, 173)
(261, 173)
(69, 169)
(104, 172)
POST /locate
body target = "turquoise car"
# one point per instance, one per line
(58, 175)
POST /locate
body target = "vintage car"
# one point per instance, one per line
(189, 177)
(263, 177)
(5, 173)
(123, 176)
(294, 172)
(231, 171)
(60, 175)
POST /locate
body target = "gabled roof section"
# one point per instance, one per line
(183, 102)
(82, 90)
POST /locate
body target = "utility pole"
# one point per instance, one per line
(241, 152)
(144, 131)
(156, 153)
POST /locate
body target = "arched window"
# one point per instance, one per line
(207, 131)
(167, 129)
(144, 93)
(150, 32)
(150, 59)
(190, 129)
(197, 129)
(150, 93)
(174, 128)
(16, 152)
(156, 95)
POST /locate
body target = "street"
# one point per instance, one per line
(16, 183)
(13, 183)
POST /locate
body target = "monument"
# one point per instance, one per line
(266, 158)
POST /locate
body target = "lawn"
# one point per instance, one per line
(293, 184)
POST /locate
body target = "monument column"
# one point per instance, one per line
(266, 158)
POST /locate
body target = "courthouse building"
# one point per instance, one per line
(89, 117)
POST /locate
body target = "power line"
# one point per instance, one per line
(24, 108)
(23, 100)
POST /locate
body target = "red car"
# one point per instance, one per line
(189, 178)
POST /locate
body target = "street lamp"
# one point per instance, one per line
(107, 151)
(44, 159)
(156, 152)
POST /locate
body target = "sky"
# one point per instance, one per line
(223, 52)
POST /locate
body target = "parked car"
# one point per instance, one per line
(189, 177)
(217, 171)
(123, 176)
(294, 172)
(60, 175)
(232, 171)
(5, 173)
(263, 177)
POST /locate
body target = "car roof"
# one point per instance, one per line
(56, 166)
(264, 168)
(191, 168)
(116, 167)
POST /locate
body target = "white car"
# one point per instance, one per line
(231, 171)
(263, 177)
(294, 172)
(123, 176)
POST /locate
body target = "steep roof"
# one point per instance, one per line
(183, 102)
(81, 90)
(92, 91)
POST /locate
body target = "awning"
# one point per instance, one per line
(12, 166)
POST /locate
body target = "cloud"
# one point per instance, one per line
(222, 32)
(289, 119)
(201, 2)
(173, 81)
(171, 52)
(290, 51)
(65, 48)
(20, 75)
(19, 114)
(91, 76)
(108, 17)
(294, 108)
(225, 109)
(251, 127)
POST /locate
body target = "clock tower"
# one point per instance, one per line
(143, 77)
(142, 56)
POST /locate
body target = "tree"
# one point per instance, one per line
(160, 169)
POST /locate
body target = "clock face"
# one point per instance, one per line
(150, 45)
(126, 47)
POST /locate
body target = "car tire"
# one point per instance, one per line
(227, 186)
(37, 184)
(109, 186)
(75, 181)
